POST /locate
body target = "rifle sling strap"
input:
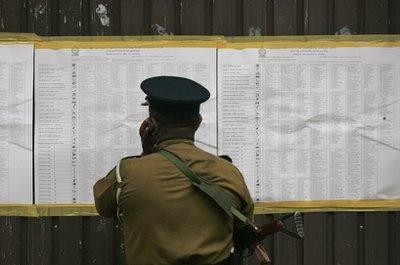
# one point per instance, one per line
(218, 194)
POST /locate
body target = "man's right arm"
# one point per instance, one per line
(248, 208)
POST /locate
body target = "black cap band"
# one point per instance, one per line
(171, 111)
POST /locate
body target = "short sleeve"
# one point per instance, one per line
(104, 195)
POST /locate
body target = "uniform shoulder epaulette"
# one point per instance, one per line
(128, 157)
(226, 158)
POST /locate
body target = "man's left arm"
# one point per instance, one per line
(104, 195)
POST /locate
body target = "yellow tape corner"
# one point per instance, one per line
(19, 37)
(37, 210)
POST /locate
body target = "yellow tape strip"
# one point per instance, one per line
(392, 40)
(136, 38)
(130, 42)
(260, 207)
(322, 41)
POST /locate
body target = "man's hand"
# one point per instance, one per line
(146, 131)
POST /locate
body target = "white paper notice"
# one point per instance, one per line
(88, 111)
(312, 124)
(16, 90)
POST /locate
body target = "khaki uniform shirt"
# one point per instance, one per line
(167, 220)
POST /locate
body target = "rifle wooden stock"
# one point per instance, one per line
(265, 231)
(271, 228)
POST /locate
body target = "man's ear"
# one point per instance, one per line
(198, 121)
(152, 126)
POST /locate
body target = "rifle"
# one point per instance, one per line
(247, 240)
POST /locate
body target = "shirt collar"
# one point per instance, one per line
(169, 142)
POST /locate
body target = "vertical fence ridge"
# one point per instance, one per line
(330, 27)
(117, 17)
(330, 238)
(360, 239)
(55, 238)
(360, 16)
(300, 17)
(178, 17)
(147, 17)
(392, 234)
(394, 16)
(54, 18)
(270, 17)
(239, 17)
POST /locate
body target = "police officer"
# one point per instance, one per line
(167, 220)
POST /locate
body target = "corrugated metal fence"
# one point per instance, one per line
(198, 17)
(332, 238)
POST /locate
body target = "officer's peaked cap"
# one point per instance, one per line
(174, 96)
